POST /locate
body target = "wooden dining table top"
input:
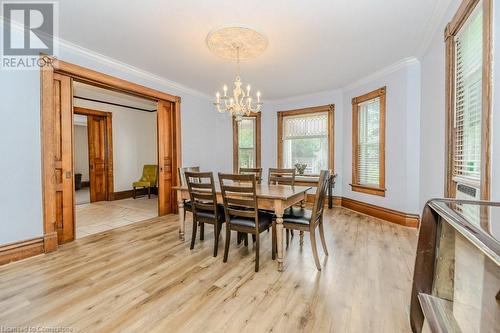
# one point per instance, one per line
(266, 191)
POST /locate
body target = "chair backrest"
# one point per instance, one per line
(257, 172)
(201, 189)
(182, 173)
(319, 198)
(240, 196)
(150, 173)
(280, 176)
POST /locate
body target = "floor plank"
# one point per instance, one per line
(141, 277)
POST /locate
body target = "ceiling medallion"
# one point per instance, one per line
(236, 43)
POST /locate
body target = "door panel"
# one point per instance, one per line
(63, 158)
(165, 154)
(96, 126)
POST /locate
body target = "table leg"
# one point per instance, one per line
(182, 222)
(278, 210)
(302, 205)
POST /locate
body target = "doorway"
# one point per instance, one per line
(92, 155)
(57, 79)
(114, 141)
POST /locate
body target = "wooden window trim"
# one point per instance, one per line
(451, 30)
(330, 108)
(257, 116)
(355, 186)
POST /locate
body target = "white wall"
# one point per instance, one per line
(134, 141)
(81, 151)
(432, 121)
(401, 136)
(20, 146)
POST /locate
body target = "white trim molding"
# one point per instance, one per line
(403, 63)
(124, 67)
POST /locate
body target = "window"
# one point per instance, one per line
(246, 142)
(468, 92)
(368, 143)
(468, 111)
(305, 136)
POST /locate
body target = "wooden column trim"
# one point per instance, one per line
(48, 170)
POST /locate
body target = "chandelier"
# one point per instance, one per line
(235, 43)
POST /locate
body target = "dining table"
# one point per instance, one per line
(275, 198)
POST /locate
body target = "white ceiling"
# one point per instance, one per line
(314, 45)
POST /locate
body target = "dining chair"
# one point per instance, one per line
(239, 195)
(302, 219)
(257, 172)
(182, 182)
(201, 189)
(281, 176)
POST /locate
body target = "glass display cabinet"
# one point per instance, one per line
(456, 281)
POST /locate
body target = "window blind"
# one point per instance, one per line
(468, 98)
(306, 126)
(368, 161)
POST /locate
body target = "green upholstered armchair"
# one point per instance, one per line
(148, 179)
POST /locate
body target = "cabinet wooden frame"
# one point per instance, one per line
(330, 108)
(169, 116)
(236, 162)
(355, 185)
(452, 29)
(108, 145)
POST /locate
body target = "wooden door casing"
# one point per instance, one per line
(63, 158)
(96, 127)
(164, 157)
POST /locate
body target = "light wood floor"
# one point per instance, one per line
(96, 217)
(142, 278)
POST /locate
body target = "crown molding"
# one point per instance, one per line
(124, 67)
(298, 98)
(401, 64)
(432, 28)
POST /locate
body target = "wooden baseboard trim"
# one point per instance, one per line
(21, 250)
(337, 201)
(130, 193)
(394, 216)
(122, 195)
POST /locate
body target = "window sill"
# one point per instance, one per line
(368, 189)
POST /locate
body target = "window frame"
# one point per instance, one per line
(236, 162)
(451, 31)
(330, 109)
(355, 185)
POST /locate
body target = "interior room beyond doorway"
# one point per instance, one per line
(114, 142)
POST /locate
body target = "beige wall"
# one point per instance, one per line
(81, 151)
(134, 141)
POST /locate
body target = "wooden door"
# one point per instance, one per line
(96, 126)
(63, 158)
(166, 147)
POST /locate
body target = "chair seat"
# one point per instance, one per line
(297, 215)
(142, 184)
(188, 205)
(207, 214)
(265, 221)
